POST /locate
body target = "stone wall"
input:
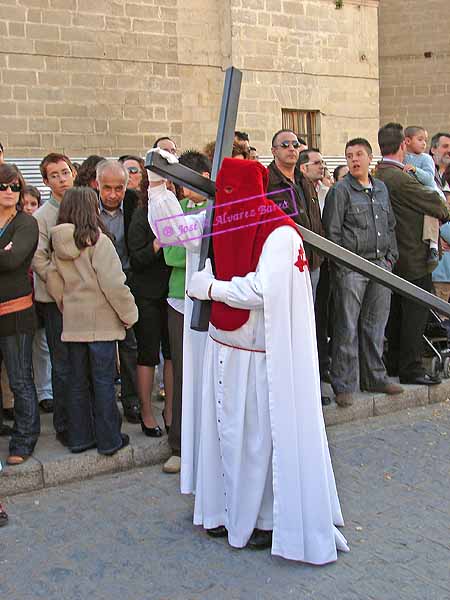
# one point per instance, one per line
(108, 76)
(415, 89)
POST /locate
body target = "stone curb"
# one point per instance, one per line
(52, 465)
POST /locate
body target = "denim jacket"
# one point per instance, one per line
(360, 219)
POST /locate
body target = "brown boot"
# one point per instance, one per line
(344, 399)
(388, 388)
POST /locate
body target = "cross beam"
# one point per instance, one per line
(192, 180)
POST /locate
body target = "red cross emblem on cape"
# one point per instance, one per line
(302, 261)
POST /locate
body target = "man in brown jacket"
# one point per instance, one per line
(410, 201)
(286, 184)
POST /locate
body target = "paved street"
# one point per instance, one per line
(129, 536)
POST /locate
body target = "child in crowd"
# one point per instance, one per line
(88, 284)
(42, 367)
(422, 166)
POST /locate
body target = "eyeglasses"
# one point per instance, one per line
(287, 143)
(133, 170)
(317, 162)
(14, 187)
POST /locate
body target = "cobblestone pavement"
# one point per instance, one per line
(129, 536)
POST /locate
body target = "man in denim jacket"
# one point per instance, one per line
(358, 216)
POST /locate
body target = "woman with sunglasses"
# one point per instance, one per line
(137, 174)
(18, 241)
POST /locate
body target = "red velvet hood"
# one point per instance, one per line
(243, 219)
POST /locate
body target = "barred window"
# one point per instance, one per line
(305, 123)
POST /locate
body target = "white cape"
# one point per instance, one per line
(305, 502)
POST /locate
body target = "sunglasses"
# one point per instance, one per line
(14, 187)
(133, 170)
(288, 143)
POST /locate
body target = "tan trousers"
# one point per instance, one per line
(430, 231)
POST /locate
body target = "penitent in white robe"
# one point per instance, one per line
(172, 227)
(264, 460)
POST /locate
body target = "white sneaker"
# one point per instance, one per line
(172, 465)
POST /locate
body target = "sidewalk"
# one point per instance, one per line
(53, 465)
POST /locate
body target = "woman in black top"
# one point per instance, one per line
(18, 241)
(149, 285)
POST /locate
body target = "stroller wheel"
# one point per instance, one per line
(435, 367)
(446, 368)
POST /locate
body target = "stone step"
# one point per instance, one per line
(53, 465)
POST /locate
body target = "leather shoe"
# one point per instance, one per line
(46, 405)
(388, 388)
(217, 532)
(422, 380)
(172, 465)
(344, 399)
(259, 540)
(132, 414)
(3, 516)
(8, 414)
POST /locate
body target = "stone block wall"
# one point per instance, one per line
(414, 88)
(108, 76)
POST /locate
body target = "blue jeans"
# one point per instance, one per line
(93, 416)
(16, 351)
(361, 310)
(59, 358)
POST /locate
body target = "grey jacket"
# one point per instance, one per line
(361, 220)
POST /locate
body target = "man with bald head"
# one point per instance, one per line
(117, 205)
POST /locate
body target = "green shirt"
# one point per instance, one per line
(175, 257)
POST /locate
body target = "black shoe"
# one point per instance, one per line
(433, 256)
(325, 377)
(79, 451)
(326, 400)
(8, 414)
(151, 431)
(165, 424)
(46, 405)
(5, 430)
(422, 380)
(132, 414)
(61, 436)
(3, 516)
(217, 532)
(259, 540)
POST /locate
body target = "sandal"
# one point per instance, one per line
(15, 459)
(3, 516)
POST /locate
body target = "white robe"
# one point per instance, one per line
(165, 214)
(264, 460)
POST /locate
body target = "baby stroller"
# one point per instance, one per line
(436, 356)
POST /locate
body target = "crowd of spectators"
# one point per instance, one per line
(88, 297)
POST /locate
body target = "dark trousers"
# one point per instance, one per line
(59, 357)
(16, 351)
(92, 413)
(128, 360)
(361, 312)
(322, 309)
(405, 328)
(176, 320)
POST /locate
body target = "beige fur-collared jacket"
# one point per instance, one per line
(89, 287)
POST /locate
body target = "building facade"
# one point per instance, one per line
(109, 76)
(415, 63)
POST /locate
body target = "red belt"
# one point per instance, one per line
(16, 305)
(237, 347)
